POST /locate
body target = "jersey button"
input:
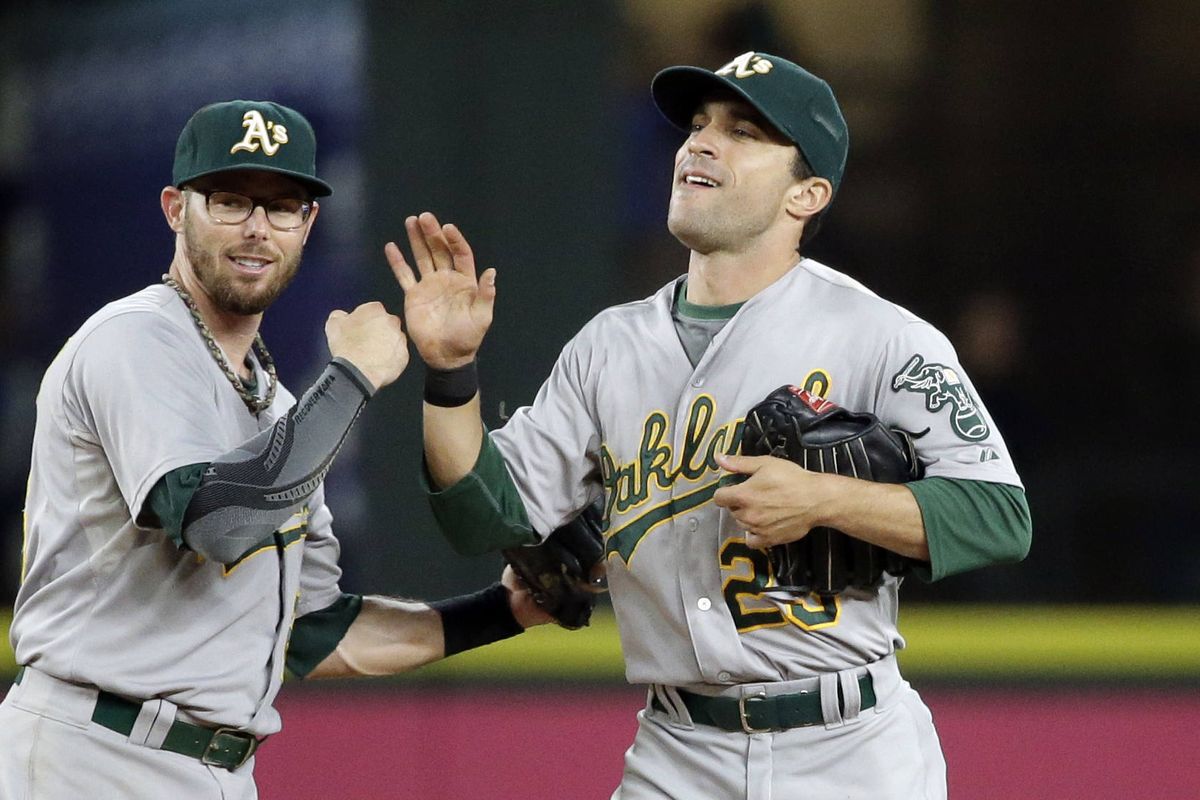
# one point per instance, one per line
(693, 524)
(704, 604)
(723, 676)
(698, 383)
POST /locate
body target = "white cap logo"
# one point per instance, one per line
(268, 135)
(746, 65)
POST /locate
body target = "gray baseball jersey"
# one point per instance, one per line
(625, 414)
(109, 602)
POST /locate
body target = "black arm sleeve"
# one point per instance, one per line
(248, 493)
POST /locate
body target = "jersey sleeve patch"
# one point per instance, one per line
(943, 389)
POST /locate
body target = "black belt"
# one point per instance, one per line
(759, 713)
(220, 747)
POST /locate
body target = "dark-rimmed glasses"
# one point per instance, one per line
(231, 208)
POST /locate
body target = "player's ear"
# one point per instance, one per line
(808, 197)
(312, 217)
(173, 201)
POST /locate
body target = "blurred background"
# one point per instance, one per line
(1021, 174)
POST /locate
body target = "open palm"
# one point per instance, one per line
(447, 309)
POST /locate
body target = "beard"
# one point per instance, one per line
(223, 285)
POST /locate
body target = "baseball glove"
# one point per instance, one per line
(821, 436)
(565, 572)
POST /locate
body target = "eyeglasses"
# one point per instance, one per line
(230, 208)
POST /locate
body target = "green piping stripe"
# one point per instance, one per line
(625, 540)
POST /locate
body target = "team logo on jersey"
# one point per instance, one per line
(942, 386)
(746, 65)
(260, 133)
(631, 484)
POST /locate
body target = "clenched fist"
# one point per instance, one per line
(371, 339)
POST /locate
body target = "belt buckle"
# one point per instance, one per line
(761, 694)
(211, 754)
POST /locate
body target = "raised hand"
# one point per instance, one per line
(447, 309)
(371, 339)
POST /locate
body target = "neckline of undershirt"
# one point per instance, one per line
(695, 311)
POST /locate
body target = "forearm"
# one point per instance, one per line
(885, 514)
(390, 636)
(387, 637)
(453, 437)
(248, 493)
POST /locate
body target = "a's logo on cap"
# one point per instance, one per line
(746, 65)
(260, 133)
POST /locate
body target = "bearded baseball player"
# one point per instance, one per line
(176, 529)
(753, 692)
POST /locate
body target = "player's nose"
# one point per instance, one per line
(702, 143)
(257, 226)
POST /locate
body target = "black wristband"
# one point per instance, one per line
(474, 620)
(450, 388)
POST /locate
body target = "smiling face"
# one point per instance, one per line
(733, 180)
(242, 267)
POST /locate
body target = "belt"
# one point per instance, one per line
(228, 748)
(760, 713)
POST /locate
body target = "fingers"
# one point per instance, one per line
(400, 268)
(743, 465)
(435, 241)
(461, 256)
(435, 247)
(420, 248)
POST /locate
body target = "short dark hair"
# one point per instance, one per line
(801, 170)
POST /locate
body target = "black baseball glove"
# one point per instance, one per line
(821, 436)
(566, 571)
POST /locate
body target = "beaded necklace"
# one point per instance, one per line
(254, 403)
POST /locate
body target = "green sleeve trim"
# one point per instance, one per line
(168, 500)
(316, 634)
(971, 524)
(483, 512)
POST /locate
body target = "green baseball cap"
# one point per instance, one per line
(795, 101)
(248, 134)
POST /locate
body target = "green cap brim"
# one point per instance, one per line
(678, 92)
(318, 187)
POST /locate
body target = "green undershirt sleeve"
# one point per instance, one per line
(316, 634)
(483, 512)
(168, 500)
(971, 524)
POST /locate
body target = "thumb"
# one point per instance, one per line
(743, 465)
(487, 286)
(334, 316)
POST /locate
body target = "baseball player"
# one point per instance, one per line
(749, 696)
(176, 531)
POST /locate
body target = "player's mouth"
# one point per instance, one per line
(697, 179)
(250, 265)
